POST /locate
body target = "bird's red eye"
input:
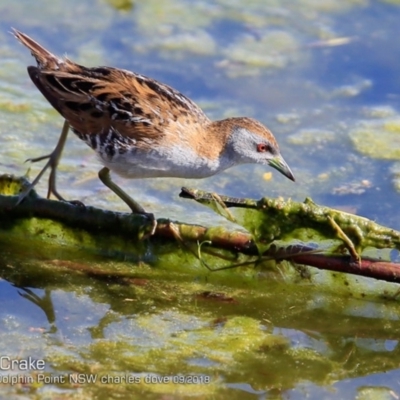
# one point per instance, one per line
(262, 148)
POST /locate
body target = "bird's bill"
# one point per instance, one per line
(280, 164)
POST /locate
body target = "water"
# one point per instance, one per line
(324, 77)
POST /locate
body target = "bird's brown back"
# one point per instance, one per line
(97, 100)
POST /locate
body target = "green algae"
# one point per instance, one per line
(251, 52)
(378, 138)
(161, 325)
(122, 5)
(177, 332)
(278, 219)
(311, 137)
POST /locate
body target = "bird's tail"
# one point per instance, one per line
(44, 58)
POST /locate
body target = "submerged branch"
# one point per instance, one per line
(100, 222)
(277, 231)
(366, 266)
(273, 220)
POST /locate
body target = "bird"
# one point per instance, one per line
(142, 128)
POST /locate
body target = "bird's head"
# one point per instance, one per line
(250, 142)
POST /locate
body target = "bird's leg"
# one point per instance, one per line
(104, 176)
(54, 158)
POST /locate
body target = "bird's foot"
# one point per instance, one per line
(52, 163)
